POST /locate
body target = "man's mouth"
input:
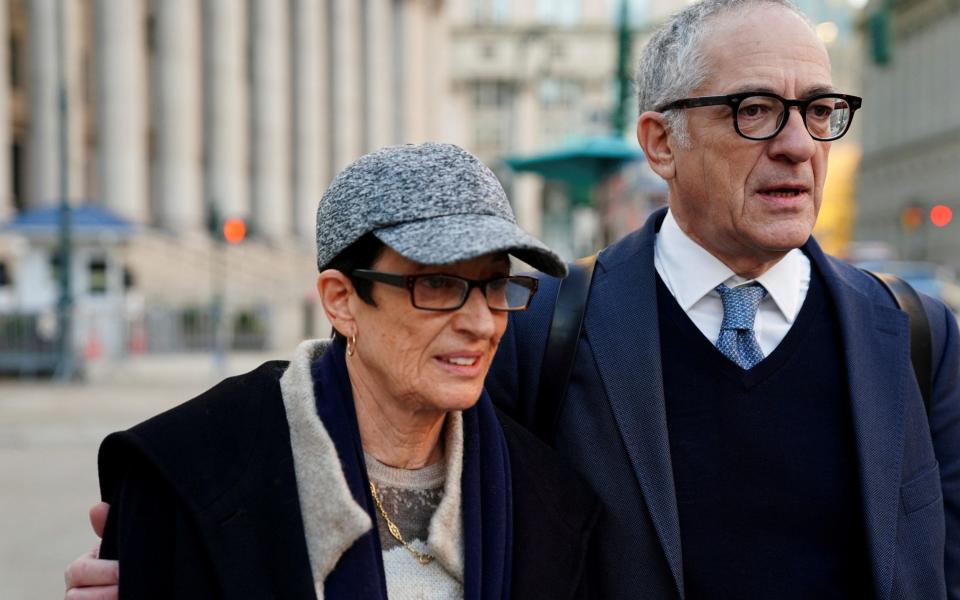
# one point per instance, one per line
(783, 192)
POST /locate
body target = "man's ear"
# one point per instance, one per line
(654, 138)
(338, 298)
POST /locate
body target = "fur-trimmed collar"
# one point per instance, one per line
(332, 519)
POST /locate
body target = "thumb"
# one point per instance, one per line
(98, 517)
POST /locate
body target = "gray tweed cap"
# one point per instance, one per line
(432, 203)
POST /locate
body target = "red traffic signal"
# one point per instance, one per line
(941, 215)
(911, 218)
(234, 230)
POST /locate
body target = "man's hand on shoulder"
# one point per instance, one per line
(89, 577)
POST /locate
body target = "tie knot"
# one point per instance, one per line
(740, 305)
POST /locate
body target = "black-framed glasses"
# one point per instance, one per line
(437, 291)
(762, 115)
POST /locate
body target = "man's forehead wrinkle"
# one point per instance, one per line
(758, 73)
(806, 92)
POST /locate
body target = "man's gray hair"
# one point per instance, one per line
(673, 65)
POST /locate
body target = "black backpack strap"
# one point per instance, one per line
(921, 342)
(561, 348)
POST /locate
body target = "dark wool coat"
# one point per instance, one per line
(204, 503)
(613, 424)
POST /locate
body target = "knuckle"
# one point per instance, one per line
(68, 577)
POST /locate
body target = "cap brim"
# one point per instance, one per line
(453, 238)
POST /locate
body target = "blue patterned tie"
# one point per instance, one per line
(737, 341)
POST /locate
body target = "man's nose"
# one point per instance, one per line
(794, 142)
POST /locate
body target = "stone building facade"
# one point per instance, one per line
(910, 127)
(179, 109)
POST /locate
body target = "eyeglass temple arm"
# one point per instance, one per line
(388, 278)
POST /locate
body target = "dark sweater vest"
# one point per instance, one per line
(764, 461)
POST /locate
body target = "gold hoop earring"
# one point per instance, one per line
(352, 345)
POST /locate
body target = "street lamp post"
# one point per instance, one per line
(66, 366)
(619, 121)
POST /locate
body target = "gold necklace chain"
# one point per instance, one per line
(422, 557)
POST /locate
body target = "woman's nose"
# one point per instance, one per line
(475, 315)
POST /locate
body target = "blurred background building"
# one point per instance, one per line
(909, 180)
(158, 120)
(531, 76)
(179, 114)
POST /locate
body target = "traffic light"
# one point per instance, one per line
(941, 215)
(911, 217)
(234, 230)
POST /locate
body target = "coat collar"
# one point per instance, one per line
(624, 325)
(875, 342)
(332, 519)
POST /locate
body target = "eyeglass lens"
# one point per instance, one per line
(760, 116)
(445, 292)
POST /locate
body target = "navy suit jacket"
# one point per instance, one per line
(613, 427)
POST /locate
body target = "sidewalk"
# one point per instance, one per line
(49, 434)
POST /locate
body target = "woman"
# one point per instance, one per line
(373, 465)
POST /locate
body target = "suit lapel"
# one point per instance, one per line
(876, 346)
(622, 327)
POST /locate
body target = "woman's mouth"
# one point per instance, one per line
(467, 364)
(462, 361)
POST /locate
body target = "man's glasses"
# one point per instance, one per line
(762, 115)
(436, 291)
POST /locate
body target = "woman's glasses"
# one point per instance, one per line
(436, 291)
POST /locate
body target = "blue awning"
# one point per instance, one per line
(86, 219)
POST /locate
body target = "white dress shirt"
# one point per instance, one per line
(691, 274)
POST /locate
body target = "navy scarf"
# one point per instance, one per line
(485, 489)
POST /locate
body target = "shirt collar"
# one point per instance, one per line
(690, 272)
(784, 283)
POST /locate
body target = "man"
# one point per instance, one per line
(744, 404)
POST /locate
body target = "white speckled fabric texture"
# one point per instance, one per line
(432, 203)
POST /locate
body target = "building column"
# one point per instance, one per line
(177, 180)
(528, 188)
(43, 155)
(225, 107)
(6, 168)
(75, 40)
(309, 113)
(272, 206)
(121, 107)
(438, 80)
(415, 65)
(347, 82)
(379, 100)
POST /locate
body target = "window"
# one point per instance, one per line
(492, 94)
(55, 267)
(560, 12)
(559, 93)
(98, 276)
(491, 11)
